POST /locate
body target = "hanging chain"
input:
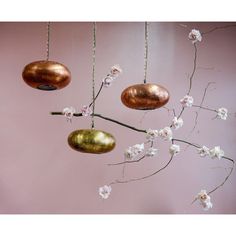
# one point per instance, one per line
(48, 41)
(146, 53)
(93, 73)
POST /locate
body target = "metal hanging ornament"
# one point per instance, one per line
(46, 75)
(91, 140)
(145, 96)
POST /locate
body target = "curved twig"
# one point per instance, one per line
(197, 112)
(142, 178)
(226, 178)
(205, 108)
(183, 141)
(127, 162)
(217, 28)
(194, 68)
(99, 91)
(224, 157)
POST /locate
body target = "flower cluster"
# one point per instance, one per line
(174, 149)
(114, 73)
(215, 152)
(105, 191)
(86, 110)
(195, 36)
(152, 134)
(177, 123)
(187, 101)
(68, 112)
(151, 152)
(166, 133)
(222, 113)
(134, 151)
(205, 200)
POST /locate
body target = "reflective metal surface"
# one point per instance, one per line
(145, 96)
(91, 141)
(46, 75)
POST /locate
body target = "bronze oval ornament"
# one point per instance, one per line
(46, 75)
(91, 141)
(145, 96)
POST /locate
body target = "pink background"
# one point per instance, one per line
(40, 173)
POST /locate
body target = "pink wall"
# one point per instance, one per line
(40, 173)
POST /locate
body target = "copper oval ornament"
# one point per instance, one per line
(145, 96)
(91, 141)
(46, 75)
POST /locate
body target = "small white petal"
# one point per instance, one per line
(177, 123)
(187, 101)
(222, 113)
(132, 152)
(151, 152)
(204, 151)
(86, 110)
(68, 113)
(195, 36)
(205, 200)
(174, 149)
(108, 81)
(152, 134)
(216, 152)
(166, 133)
(105, 191)
(116, 70)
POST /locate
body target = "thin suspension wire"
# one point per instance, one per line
(48, 41)
(93, 73)
(146, 53)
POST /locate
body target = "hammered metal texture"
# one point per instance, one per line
(145, 96)
(46, 75)
(91, 141)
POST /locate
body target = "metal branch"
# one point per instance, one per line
(105, 118)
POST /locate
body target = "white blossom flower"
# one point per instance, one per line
(151, 152)
(138, 148)
(68, 113)
(177, 123)
(195, 36)
(205, 200)
(105, 191)
(151, 134)
(166, 133)
(132, 152)
(86, 110)
(174, 149)
(129, 154)
(216, 152)
(187, 101)
(206, 205)
(222, 113)
(108, 81)
(116, 70)
(204, 151)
